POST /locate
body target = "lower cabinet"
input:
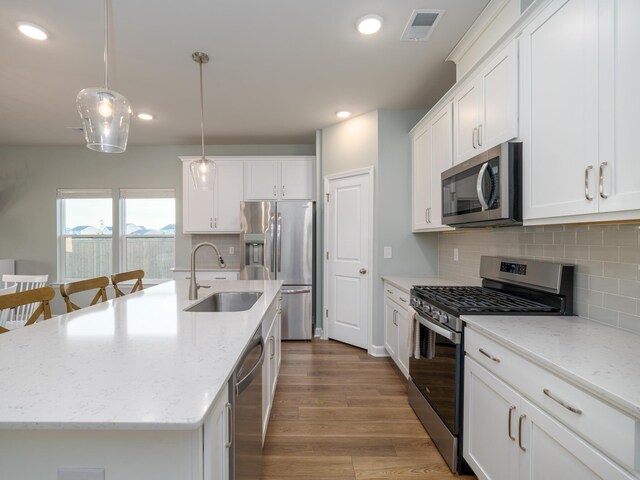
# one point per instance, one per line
(506, 437)
(217, 437)
(396, 327)
(272, 335)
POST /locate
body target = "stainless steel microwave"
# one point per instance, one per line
(486, 190)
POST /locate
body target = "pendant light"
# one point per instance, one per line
(105, 114)
(203, 170)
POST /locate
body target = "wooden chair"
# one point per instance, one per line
(4, 314)
(24, 283)
(99, 283)
(136, 275)
(14, 301)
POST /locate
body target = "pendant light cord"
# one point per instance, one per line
(201, 110)
(106, 44)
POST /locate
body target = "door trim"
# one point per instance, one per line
(369, 172)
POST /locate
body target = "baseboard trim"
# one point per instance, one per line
(378, 351)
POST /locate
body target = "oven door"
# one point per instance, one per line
(438, 372)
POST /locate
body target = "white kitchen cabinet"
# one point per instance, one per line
(271, 333)
(217, 437)
(486, 107)
(279, 178)
(432, 153)
(396, 326)
(216, 211)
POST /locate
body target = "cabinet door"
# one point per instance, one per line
(620, 125)
(261, 180)
(499, 114)
(441, 160)
(297, 179)
(559, 61)
(420, 182)
(274, 357)
(197, 205)
(552, 451)
(267, 373)
(216, 435)
(228, 195)
(390, 330)
(466, 121)
(490, 424)
(402, 319)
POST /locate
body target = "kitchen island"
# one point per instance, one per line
(127, 386)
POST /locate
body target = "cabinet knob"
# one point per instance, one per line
(363, 271)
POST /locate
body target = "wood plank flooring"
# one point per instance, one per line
(340, 414)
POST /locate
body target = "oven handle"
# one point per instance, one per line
(434, 327)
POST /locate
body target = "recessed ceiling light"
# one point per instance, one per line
(32, 30)
(369, 24)
(145, 116)
(343, 114)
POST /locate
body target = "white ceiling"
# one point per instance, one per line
(279, 69)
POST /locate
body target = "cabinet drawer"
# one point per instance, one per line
(596, 421)
(397, 295)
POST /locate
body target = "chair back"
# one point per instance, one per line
(136, 275)
(100, 284)
(5, 314)
(41, 296)
(24, 283)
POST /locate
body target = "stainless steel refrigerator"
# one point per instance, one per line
(277, 243)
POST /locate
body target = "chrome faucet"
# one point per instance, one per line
(193, 285)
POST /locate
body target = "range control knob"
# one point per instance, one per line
(428, 307)
(436, 315)
(444, 318)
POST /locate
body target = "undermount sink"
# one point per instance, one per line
(226, 302)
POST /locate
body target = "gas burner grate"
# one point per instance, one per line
(479, 299)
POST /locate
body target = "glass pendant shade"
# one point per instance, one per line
(106, 116)
(203, 172)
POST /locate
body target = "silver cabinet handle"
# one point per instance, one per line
(211, 223)
(587, 194)
(488, 355)
(429, 215)
(402, 300)
(522, 417)
(480, 135)
(229, 411)
(273, 350)
(426, 215)
(274, 191)
(215, 222)
(390, 291)
(561, 402)
(601, 180)
(511, 409)
(473, 137)
(283, 194)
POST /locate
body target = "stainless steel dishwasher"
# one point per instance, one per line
(246, 449)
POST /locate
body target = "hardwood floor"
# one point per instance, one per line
(340, 414)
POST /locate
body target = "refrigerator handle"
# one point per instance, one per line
(273, 238)
(279, 235)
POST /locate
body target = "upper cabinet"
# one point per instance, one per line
(486, 107)
(580, 111)
(279, 179)
(432, 153)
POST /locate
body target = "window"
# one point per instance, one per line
(85, 233)
(147, 229)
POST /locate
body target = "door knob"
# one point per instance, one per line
(363, 271)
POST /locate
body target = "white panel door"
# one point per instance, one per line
(297, 179)
(559, 61)
(261, 180)
(228, 195)
(466, 121)
(348, 233)
(620, 106)
(197, 205)
(442, 159)
(490, 424)
(499, 114)
(390, 330)
(420, 180)
(550, 451)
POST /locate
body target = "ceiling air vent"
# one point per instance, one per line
(421, 24)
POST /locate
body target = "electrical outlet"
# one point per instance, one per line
(388, 252)
(456, 257)
(232, 250)
(81, 473)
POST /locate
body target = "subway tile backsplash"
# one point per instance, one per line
(607, 259)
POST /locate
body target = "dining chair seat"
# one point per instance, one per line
(40, 296)
(99, 284)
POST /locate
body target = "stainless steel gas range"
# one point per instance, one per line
(509, 287)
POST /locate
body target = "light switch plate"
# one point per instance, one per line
(388, 252)
(456, 256)
(79, 473)
(232, 250)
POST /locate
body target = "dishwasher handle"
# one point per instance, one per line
(256, 370)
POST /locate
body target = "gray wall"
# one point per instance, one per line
(607, 259)
(380, 139)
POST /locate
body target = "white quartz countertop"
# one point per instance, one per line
(601, 359)
(136, 362)
(406, 283)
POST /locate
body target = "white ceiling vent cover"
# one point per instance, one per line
(421, 25)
